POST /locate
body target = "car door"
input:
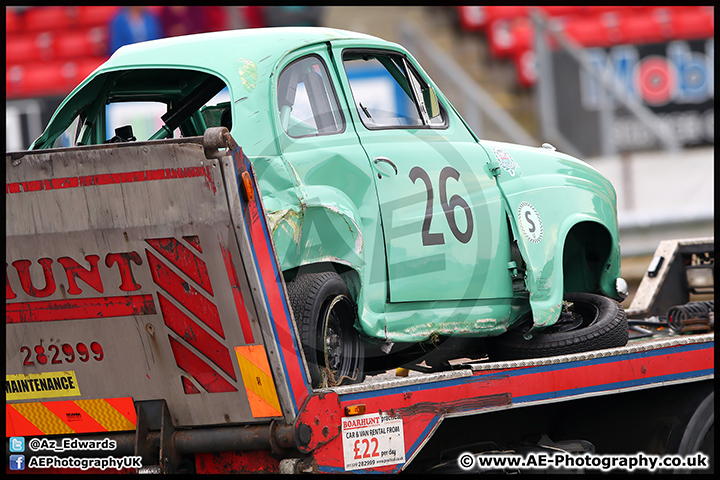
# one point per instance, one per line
(338, 202)
(444, 229)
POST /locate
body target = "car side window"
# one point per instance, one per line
(389, 93)
(307, 102)
(142, 116)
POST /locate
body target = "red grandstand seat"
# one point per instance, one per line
(26, 48)
(503, 12)
(595, 10)
(13, 21)
(686, 8)
(644, 27)
(86, 66)
(507, 36)
(89, 42)
(499, 37)
(482, 17)
(20, 49)
(94, 16)
(69, 74)
(48, 18)
(560, 10)
(601, 10)
(13, 81)
(589, 31)
(693, 23)
(523, 34)
(471, 17)
(525, 64)
(38, 79)
(73, 72)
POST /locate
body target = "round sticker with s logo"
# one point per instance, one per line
(530, 222)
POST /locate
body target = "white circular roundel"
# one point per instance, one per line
(530, 222)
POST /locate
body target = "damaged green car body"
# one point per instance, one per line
(368, 171)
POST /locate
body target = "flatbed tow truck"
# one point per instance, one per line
(148, 330)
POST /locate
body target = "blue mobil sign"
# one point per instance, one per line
(674, 80)
(674, 74)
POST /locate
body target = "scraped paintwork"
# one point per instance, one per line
(248, 73)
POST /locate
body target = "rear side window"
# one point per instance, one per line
(307, 103)
(143, 117)
(140, 104)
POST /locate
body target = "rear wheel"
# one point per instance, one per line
(587, 322)
(325, 314)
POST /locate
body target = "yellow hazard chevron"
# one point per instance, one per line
(41, 417)
(105, 414)
(258, 381)
(70, 416)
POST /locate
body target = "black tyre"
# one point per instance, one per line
(325, 313)
(588, 322)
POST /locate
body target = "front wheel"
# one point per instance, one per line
(325, 313)
(587, 322)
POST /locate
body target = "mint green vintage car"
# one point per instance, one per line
(396, 227)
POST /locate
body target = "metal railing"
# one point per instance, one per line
(611, 91)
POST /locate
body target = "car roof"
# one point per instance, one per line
(210, 50)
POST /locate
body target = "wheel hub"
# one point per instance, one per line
(568, 321)
(333, 347)
(334, 350)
